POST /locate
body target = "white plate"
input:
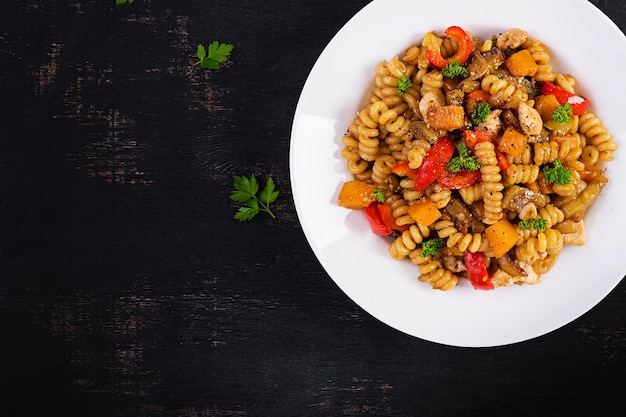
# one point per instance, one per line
(583, 42)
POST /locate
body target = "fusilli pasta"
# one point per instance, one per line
(494, 193)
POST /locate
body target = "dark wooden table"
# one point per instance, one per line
(127, 289)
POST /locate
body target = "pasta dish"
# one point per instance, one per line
(476, 158)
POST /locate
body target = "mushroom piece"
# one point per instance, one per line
(510, 266)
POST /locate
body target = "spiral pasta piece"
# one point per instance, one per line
(381, 169)
(400, 210)
(408, 241)
(472, 193)
(520, 174)
(439, 279)
(491, 182)
(591, 126)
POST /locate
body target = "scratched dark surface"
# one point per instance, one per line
(127, 289)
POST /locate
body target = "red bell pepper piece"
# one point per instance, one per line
(472, 137)
(477, 271)
(579, 104)
(381, 219)
(375, 220)
(458, 180)
(434, 162)
(503, 161)
(462, 54)
(404, 170)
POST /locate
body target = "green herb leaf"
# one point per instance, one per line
(480, 113)
(464, 161)
(269, 195)
(432, 246)
(537, 224)
(454, 69)
(246, 213)
(201, 53)
(563, 113)
(379, 195)
(404, 83)
(212, 56)
(557, 173)
(246, 193)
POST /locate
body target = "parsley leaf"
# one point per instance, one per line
(480, 113)
(454, 69)
(537, 224)
(213, 55)
(404, 83)
(432, 246)
(246, 193)
(557, 173)
(124, 1)
(563, 113)
(379, 195)
(465, 161)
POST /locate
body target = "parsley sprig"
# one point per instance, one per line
(537, 224)
(213, 55)
(379, 194)
(556, 173)
(247, 189)
(480, 113)
(124, 1)
(433, 246)
(404, 83)
(454, 69)
(563, 113)
(464, 161)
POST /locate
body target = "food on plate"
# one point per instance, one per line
(476, 158)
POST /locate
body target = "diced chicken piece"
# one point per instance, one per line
(493, 123)
(511, 39)
(577, 238)
(529, 120)
(431, 99)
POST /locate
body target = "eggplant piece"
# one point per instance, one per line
(517, 197)
(464, 219)
(484, 62)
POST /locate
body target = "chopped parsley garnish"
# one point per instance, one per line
(379, 195)
(563, 113)
(464, 161)
(404, 83)
(454, 69)
(433, 246)
(537, 224)
(480, 113)
(556, 173)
